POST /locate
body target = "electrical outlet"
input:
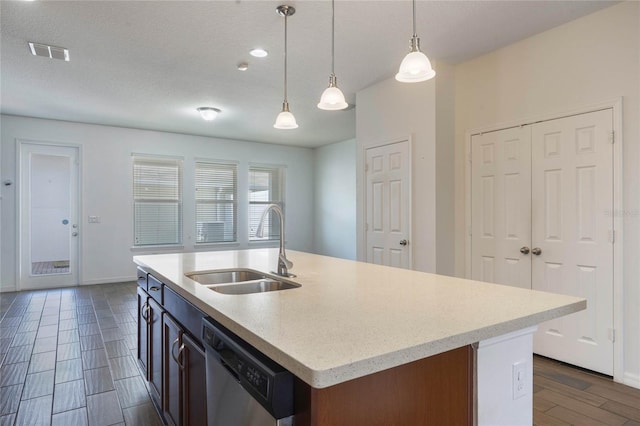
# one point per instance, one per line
(94, 219)
(519, 376)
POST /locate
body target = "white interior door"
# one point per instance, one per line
(573, 253)
(501, 207)
(553, 196)
(388, 204)
(49, 227)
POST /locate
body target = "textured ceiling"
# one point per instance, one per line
(150, 64)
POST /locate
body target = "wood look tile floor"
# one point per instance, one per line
(68, 357)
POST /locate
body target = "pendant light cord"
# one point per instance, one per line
(415, 34)
(285, 58)
(333, 36)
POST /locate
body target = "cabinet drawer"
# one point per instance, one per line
(184, 312)
(142, 279)
(155, 289)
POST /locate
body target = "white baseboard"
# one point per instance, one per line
(110, 280)
(7, 289)
(632, 380)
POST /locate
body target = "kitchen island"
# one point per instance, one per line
(350, 321)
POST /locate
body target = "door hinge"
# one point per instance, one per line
(366, 167)
(612, 236)
(612, 334)
(366, 226)
(612, 137)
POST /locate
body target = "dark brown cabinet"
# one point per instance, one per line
(150, 343)
(155, 315)
(184, 377)
(170, 355)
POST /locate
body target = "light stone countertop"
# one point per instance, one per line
(351, 319)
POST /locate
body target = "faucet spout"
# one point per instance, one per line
(284, 264)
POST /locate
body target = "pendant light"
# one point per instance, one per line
(285, 119)
(332, 98)
(415, 66)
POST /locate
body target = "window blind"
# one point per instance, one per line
(266, 186)
(157, 199)
(216, 202)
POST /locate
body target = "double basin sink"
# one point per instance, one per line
(241, 281)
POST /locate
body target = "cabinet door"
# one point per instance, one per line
(155, 349)
(194, 386)
(143, 333)
(172, 346)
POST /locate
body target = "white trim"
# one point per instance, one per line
(109, 280)
(509, 336)
(632, 380)
(618, 290)
(19, 142)
(618, 255)
(361, 250)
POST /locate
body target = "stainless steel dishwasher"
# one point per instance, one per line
(244, 386)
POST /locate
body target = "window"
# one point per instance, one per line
(266, 186)
(216, 189)
(157, 200)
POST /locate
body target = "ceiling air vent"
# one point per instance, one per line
(52, 52)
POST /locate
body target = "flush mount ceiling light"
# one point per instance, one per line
(259, 52)
(285, 119)
(332, 98)
(415, 66)
(208, 113)
(243, 66)
(47, 51)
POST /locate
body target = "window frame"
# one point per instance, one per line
(281, 189)
(171, 161)
(224, 164)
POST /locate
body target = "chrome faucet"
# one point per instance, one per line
(284, 264)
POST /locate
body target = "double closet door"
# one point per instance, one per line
(542, 218)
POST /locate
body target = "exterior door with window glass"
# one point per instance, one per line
(266, 186)
(49, 219)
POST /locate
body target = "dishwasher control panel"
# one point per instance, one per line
(268, 382)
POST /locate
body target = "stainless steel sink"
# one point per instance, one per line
(225, 277)
(256, 286)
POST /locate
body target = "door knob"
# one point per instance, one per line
(537, 251)
(524, 250)
(404, 242)
(74, 234)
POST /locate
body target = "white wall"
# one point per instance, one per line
(390, 111)
(335, 197)
(590, 60)
(106, 188)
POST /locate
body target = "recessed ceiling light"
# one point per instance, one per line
(258, 52)
(208, 113)
(243, 66)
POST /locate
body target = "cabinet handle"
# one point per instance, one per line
(174, 356)
(154, 288)
(180, 357)
(145, 309)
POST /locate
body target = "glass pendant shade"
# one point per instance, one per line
(332, 98)
(285, 120)
(415, 67)
(208, 114)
